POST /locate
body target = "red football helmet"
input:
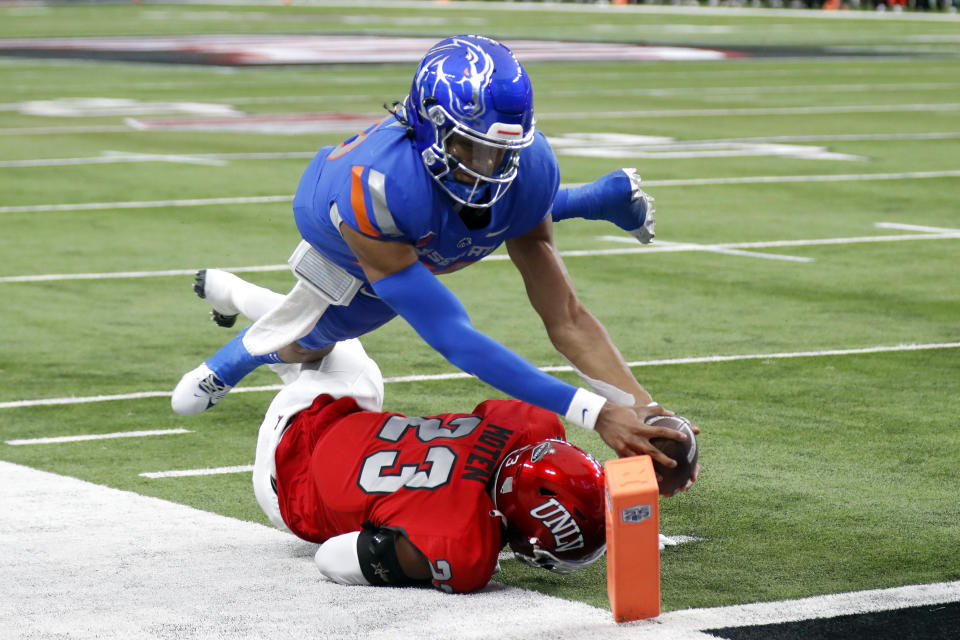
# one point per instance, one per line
(551, 495)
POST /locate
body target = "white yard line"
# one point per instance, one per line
(843, 177)
(750, 111)
(36, 131)
(659, 247)
(690, 246)
(118, 157)
(135, 274)
(185, 473)
(592, 115)
(549, 369)
(740, 91)
(113, 157)
(98, 436)
(240, 200)
(145, 204)
(846, 137)
(221, 159)
(915, 227)
(83, 400)
(757, 90)
(733, 248)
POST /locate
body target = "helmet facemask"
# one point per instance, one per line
(543, 559)
(473, 168)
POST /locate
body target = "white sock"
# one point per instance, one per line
(229, 294)
(252, 300)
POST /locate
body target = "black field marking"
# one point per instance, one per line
(928, 622)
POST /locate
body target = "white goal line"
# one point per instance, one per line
(549, 369)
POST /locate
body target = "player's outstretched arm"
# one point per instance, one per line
(440, 319)
(572, 329)
(580, 337)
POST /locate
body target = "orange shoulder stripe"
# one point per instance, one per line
(359, 204)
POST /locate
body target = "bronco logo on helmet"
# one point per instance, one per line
(477, 76)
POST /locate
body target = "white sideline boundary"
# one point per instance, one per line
(86, 561)
(549, 369)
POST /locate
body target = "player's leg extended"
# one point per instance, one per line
(300, 328)
(616, 197)
(230, 295)
(207, 384)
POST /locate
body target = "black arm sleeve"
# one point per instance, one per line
(377, 552)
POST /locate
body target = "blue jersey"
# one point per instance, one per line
(377, 184)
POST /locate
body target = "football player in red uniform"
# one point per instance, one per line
(394, 500)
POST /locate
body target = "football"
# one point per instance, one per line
(685, 453)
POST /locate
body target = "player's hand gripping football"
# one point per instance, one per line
(626, 431)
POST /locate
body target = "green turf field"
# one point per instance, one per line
(822, 473)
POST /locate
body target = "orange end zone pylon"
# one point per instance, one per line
(633, 538)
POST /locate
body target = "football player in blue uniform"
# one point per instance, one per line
(456, 170)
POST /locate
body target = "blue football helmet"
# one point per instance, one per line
(471, 110)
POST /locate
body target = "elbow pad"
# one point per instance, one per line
(367, 557)
(377, 556)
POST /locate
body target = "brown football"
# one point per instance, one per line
(685, 453)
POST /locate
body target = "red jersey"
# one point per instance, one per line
(339, 466)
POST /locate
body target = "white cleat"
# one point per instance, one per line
(213, 285)
(197, 391)
(642, 208)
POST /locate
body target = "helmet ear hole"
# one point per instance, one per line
(437, 117)
(543, 491)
